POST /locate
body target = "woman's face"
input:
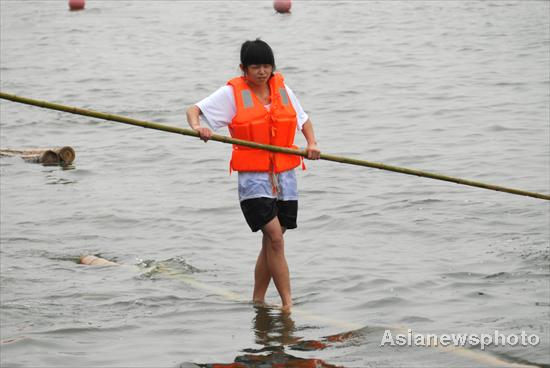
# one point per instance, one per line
(258, 74)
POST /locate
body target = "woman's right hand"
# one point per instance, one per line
(193, 112)
(204, 133)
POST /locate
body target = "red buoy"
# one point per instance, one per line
(76, 4)
(282, 6)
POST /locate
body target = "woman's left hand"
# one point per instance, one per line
(313, 152)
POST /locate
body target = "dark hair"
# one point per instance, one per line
(256, 52)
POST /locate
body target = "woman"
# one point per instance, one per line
(259, 107)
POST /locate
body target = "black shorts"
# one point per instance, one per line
(259, 211)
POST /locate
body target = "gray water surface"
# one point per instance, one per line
(455, 87)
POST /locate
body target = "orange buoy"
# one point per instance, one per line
(76, 4)
(282, 6)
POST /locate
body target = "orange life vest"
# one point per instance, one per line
(253, 122)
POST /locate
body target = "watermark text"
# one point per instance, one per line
(461, 339)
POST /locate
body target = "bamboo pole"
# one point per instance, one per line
(64, 155)
(349, 327)
(91, 260)
(45, 156)
(303, 153)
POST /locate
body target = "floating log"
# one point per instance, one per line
(66, 154)
(96, 261)
(48, 156)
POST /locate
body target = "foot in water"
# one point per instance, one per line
(261, 303)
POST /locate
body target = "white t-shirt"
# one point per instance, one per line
(219, 108)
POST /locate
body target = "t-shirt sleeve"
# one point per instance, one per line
(301, 115)
(218, 109)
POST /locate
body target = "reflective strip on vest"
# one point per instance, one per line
(247, 99)
(284, 97)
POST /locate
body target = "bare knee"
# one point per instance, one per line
(273, 242)
(273, 236)
(278, 243)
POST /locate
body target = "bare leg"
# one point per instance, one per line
(262, 277)
(274, 251)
